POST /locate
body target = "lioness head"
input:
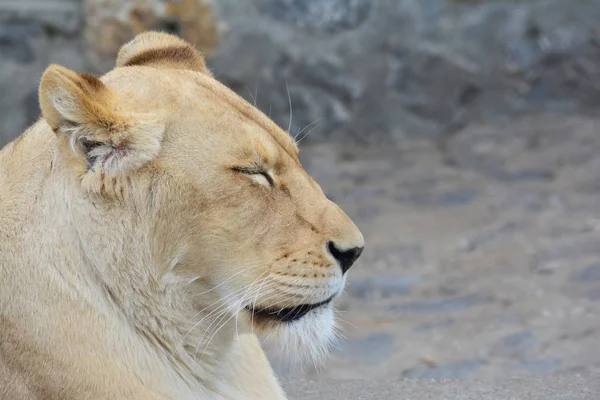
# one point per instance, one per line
(202, 190)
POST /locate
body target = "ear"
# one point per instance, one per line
(99, 136)
(159, 49)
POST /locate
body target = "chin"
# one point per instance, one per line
(298, 338)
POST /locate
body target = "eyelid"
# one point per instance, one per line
(268, 177)
(249, 170)
(256, 171)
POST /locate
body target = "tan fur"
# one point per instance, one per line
(134, 231)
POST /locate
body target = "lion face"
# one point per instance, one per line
(265, 234)
(230, 209)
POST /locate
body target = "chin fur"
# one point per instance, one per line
(305, 341)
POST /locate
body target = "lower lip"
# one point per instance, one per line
(289, 314)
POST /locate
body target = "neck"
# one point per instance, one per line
(108, 247)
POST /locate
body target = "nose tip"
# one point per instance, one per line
(345, 257)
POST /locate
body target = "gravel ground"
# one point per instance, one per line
(563, 387)
(482, 257)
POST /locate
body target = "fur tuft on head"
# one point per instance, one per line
(161, 50)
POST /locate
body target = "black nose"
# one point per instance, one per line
(345, 257)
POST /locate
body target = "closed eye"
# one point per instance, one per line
(258, 175)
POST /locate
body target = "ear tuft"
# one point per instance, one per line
(161, 50)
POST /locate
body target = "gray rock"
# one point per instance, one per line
(328, 15)
(418, 68)
(56, 16)
(31, 106)
(369, 71)
(454, 370)
(14, 41)
(34, 34)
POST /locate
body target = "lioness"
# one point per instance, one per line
(152, 223)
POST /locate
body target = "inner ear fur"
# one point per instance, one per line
(161, 50)
(88, 116)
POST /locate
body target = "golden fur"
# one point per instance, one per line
(140, 219)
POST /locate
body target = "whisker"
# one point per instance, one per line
(339, 318)
(246, 267)
(254, 305)
(307, 133)
(218, 309)
(218, 320)
(306, 127)
(225, 308)
(252, 314)
(250, 93)
(346, 322)
(255, 93)
(213, 335)
(176, 261)
(223, 299)
(312, 292)
(288, 298)
(290, 103)
(277, 292)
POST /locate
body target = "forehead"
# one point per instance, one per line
(197, 104)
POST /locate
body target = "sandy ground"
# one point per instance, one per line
(563, 387)
(482, 257)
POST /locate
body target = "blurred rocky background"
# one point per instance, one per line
(461, 135)
(360, 70)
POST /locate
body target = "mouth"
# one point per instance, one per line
(289, 314)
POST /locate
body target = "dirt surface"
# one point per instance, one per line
(482, 256)
(561, 387)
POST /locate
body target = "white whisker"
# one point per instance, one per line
(254, 305)
(250, 93)
(218, 309)
(290, 103)
(306, 134)
(240, 307)
(246, 267)
(306, 127)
